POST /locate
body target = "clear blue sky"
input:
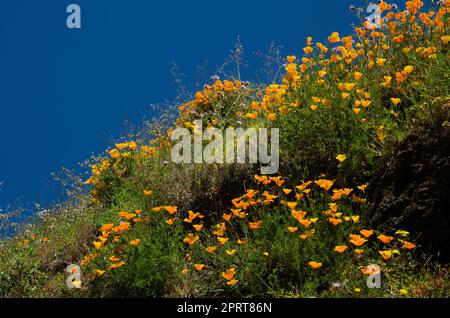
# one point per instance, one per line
(63, 91)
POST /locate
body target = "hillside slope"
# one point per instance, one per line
(349, 202)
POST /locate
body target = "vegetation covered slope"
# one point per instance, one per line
(149, 227)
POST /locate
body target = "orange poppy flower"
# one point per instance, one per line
(171, 221)
(191, 239)
(171, 209)
(408, 245)
(334, 221)
(255, 225)
(116, 265)
(232, 282)
(198, 227)
(385, 238)
(148, 193)
(324, 184)
(199, 267)
(357, 240)
(305, 222)
(292, 229)
(227, 217)
(242, 241)
(135, 242)
(370, 270)
(107, 227)
(211, 249)
(229, 273)
(291, 205)
(366, 233)
(341, 248)
(230, 252)
(315, 265)
(114, 259)
(334, 37)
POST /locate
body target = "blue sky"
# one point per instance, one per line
(63, 92)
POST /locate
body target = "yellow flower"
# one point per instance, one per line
(199, 267)
(356, 110)
(402, 233)
(230, 252)
(314, 265)
(359, 251)
(98, 245)
(99, 272)
(366, 103)
(445, 39)
(287, 191)
(381, 61)
(387, 80)
(322, 73)
(341, 158)
(396, 101)
(363, 187)
(232, 282)
(313, 107)
(403, 292)
(291, 205)
(223, 240)
(358, 290)
(148, 193)
(345, 95)
(386, 254)
(114, 259)
(408, 69)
